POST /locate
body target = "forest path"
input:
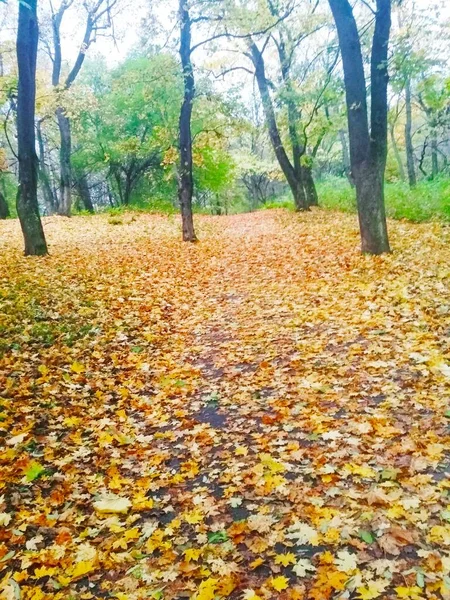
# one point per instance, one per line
(267, 407)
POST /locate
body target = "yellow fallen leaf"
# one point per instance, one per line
(256, 563)
(77, 367)
(192, 554)
(112, 504)
(82, 568)
(44, 572)
(413, 593)
(279, 583)
(207, 589)
(241, 451)
(285, 559)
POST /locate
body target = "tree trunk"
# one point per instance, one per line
(398, 158)
(27, 203)
(185, 176)
(44, 177)
(310, 187)
(84, 191)
(434, 155)
(294, 180)
(4, 208)
(368, 148)
(346, 157)
(408, 137)
(65, 203)
(303, 174)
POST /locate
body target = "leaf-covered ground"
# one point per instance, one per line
(264, 414)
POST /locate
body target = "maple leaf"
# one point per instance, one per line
(82, 568)
(34, 471)
(285, 559)
(206, 590)
(413, 593)
(346, 561)
(5, 519)
(373, 590)
(303, 534)
(279, 583)
(112, 504)
(250, 595)
(303, 567)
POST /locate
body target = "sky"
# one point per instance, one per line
(127, 25)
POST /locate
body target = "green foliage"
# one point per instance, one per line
(430, 200)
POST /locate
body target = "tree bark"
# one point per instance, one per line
(185, 176)
(398, 158)
(65, 150)
(346, 157)
(412, 180)
(434, 155)
(294, 181)
(65, 202)
(368, 148)
(44, 177)
(27, 203)
(303, 173)
(84, 191)
(4, 208)
(309, 185)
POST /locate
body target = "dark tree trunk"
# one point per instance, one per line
(65, 202)
(368, 148)
(185, 176)
(398, 158)
(346, 157)
(434, 155)
(44, 177)
(310, 187)
(303, 173)
(294, 181)
(4, 208)
(408, 137)
(84, 192)
(27, 204)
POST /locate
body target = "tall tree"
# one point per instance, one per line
(368, 145)
(27, 203)
(97, 17)
(292, 172)
(186, 179)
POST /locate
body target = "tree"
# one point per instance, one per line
(186, 179)
(98, 17)
(27, 204)
(293, 175)
(368, 146)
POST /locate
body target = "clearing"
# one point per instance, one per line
(264, 414)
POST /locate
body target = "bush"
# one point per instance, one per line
(429, 200)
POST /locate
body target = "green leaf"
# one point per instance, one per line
(389, 474)
(217, 537)
(447, 414)
(366, 536)
(34, 471)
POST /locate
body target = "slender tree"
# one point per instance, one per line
(4, 208)
(27, 203)
(292, 172)
(185, 175)
(98, 16)
(368, 146)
